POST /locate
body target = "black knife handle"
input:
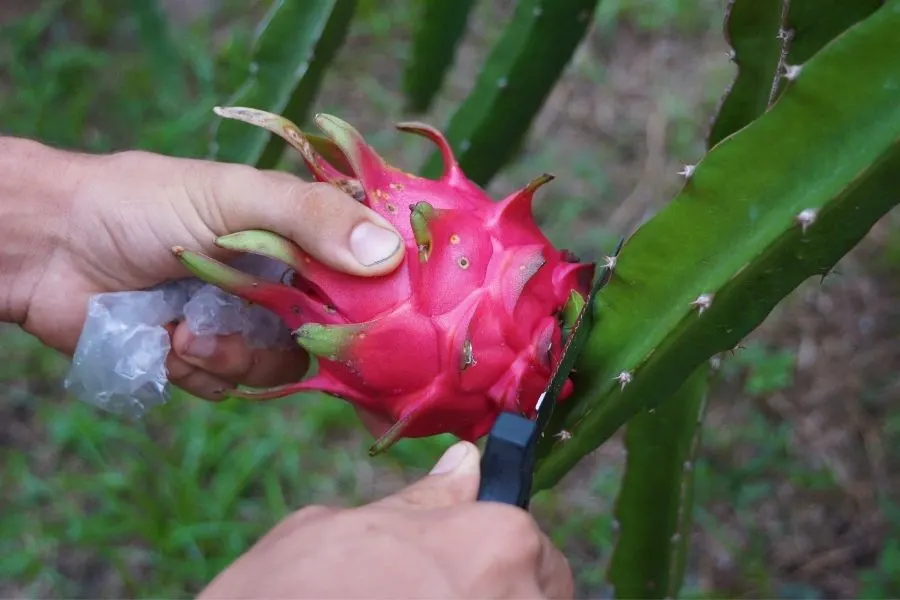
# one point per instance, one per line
(507, 465)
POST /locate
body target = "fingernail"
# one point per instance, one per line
(371, 244)
(201, 346)
(451, 459)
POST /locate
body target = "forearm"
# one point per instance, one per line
(36, 186)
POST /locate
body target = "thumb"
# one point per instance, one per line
(453, 480)
(331, 226)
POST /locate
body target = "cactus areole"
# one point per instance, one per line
(471, 324)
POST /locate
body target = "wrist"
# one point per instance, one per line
(36, 187)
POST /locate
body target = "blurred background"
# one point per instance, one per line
(798, 491)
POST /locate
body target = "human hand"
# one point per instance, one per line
(430, 540)
(76, 225)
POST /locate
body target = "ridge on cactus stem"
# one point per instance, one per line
(471, 324)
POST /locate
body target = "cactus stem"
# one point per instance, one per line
(806, 218)
(702, 302)
(624, 378)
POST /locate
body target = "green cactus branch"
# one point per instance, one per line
(814, 23)
(649, 558)
(296, 43)
(776, 203)
(752, 29)
(440, 26)
(518, 76)
(653, 509)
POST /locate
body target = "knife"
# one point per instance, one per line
(507, 464)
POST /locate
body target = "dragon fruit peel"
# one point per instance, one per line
(473, 321)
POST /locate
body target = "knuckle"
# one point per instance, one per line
(309, 198)
(321, 203)
(210, 185)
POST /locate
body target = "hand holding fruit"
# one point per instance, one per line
(75, 225)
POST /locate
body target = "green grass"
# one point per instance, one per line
(97, 506)
(169, 501)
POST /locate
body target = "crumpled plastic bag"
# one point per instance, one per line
(120, 360)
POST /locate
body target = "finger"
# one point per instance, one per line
(230, 358)
(333, 227)
(554, 572)
(195, 381)
(453, 480)
(289, 525)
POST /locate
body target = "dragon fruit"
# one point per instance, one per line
(471, 324)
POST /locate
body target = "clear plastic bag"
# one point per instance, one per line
(120, 360)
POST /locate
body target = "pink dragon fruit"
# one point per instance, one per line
(471, 324)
